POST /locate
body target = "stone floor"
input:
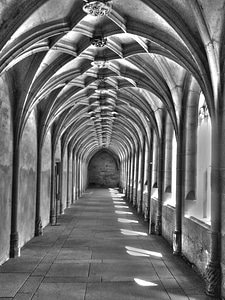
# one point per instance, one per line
(100, 250)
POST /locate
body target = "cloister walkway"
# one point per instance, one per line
(99, 250)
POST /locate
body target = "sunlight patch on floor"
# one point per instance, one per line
(132, 232)
(119, 212)
(142, 251)
(127, 221)
(144, 282)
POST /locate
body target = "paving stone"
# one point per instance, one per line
(124, 291)
(31, 284)
(20, 265)
(71, 254)
(10, 283)
(60, 291)
(42, 269)
(68, 270)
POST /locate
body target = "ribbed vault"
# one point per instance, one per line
(102, 73)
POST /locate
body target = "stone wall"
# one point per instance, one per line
(5, 170)
(103, 171)
(196, 242)
(168, 218)
(195, 236)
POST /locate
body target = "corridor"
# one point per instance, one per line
(99, 250)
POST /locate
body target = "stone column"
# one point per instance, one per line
(141, 176)
(160, 180)
(150, 158)
(155, 163)
(178, 212)
(53, 194)
(133, 172)
(76, 178)
(38, 222)
(61, 183)
(191, 141)
(68, 178)
(79, 177)
(179, 191)
(145, 183)
(168, 155)
(73, 177)
(127, 177)
(130, 177)
(158, 225)
(213, 270)
(136, 176)
(14, 236)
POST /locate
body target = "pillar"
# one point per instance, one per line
(68, 178)
(61, 182)
(132, 176)
(38, 222)
(160, 180)
(53, 194)
(213, 270)
(141, 174)
(136, 176)
(14, 236)
(149, 201)
(168, 155)
(73, 178)
(158, 225)
(155, 163)
(191, 142)
(145, 186)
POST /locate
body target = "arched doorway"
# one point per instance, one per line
(103, 170)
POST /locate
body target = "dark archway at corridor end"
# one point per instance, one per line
(104, 170)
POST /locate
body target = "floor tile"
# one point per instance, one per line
(68, 270)
(60, 291)
(10, 283)
(124, 291)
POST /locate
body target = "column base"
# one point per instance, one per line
(158, 226)
(213, 279)
(139, 209)
(14, 248)
(152, 228)
(176, 243)
(38, 228)
(62, 208)
(146, 217)
(52, 217)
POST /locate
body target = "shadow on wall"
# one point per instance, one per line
(103, 170)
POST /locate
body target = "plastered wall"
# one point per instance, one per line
(5, 170)
(27, 182)
(46, 180)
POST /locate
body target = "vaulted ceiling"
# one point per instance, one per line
(102, 73)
